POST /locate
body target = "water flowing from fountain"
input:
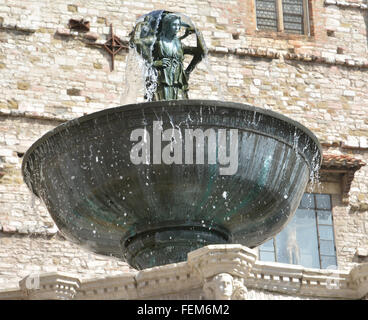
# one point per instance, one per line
(140, 82)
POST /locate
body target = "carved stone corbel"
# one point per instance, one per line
(52, 286)
(222, 269)
(224, 286)
(234, 259)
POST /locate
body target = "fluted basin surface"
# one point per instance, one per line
(154, 214)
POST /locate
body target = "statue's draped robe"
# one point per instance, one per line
(172, 82)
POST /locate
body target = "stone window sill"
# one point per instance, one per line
(277, 35)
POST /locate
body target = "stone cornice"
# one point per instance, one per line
(34, 115)
(270, 53)
(190, 276)
(347, 4)
(345, 165)
(21, 28)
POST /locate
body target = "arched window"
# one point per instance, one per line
(289, 16)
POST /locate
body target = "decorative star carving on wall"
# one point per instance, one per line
(113, 45)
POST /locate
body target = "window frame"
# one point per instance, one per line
(317, 225)
(321, 224)
(280, 19)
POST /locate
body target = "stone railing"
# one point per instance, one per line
(293, 279)
(199, 278)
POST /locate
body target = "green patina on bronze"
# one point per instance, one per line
(156, 38)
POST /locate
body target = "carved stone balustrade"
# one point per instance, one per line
(212, 272)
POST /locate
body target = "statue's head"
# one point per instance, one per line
(220, 287)
(224, 286)
(171, 24)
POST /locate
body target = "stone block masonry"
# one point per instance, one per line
(24, 254)
(50, 74)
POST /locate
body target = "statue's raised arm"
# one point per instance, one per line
(198, 52)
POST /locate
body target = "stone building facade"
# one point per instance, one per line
(52, 72)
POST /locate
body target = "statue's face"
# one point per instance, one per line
(225, 287)
(174, 27)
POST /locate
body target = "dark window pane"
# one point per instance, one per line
(327, 247)
(307, 201)
(292, 2)
(324, 217)
(266, 24)
(328, 262)
(291, 19)
(266, 256)
(266, 14)
(292, 7)
(293, 27)
(294, 31)
(323, 201)
(293, 16)
(325, 233)
(269, 5)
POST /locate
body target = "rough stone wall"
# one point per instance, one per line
(25, 254)
(351, 229)
(50, 74)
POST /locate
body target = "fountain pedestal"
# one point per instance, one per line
(170, 244)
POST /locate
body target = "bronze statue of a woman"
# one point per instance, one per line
(168, 57)
(164, 52)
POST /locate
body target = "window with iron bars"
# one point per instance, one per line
(288, 16)
(308, 239)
